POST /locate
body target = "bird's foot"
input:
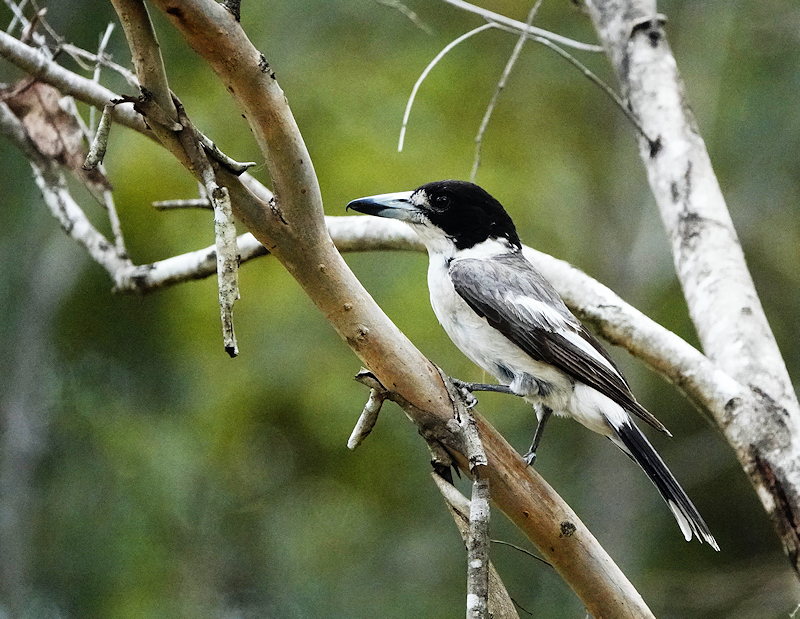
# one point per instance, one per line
(470, 401)
(530, 458)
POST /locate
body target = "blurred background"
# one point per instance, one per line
(143, 473)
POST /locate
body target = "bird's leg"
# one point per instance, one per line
(530, 457)
(482, 387)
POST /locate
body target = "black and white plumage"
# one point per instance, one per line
(507, 318)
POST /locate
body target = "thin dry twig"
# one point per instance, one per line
(407, 12)
(501, 84)
(500, 604)
(368, 418)
(518, 26)
(168, 205)
(224, 228)
(19, 15)
(427, 70)
(593, 77)
(528, 32)
(97, 67)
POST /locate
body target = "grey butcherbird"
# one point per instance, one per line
(507, 318)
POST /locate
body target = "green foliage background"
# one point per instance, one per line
(159, 478)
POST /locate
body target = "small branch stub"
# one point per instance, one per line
(367, 419)
(369, 416)
(236, 167)
(227, 264)
(97, 150)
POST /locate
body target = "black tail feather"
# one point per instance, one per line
(636, 445)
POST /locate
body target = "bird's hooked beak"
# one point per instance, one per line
(390, 205)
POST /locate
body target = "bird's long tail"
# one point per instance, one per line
(635, 444)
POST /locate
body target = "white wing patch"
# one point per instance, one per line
(545, 316)
(541, 314)
(586, 347)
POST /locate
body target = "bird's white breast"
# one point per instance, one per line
(483, 344)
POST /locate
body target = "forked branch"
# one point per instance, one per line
(293, 229)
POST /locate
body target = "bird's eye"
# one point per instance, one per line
(440, 202)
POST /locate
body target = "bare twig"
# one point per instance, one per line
(522, 550)
(19, 15)
(146, 53)
(653, 143)
(167, 205)
(500, 604)
(500, 86)
(197, 264)
(97, 67)
(227, 262)
(463, 424)
(518, 26)
(497, 21)
(105, 197)
(224, 228)
(40, 66)
(113, 219)
(37, 64)
(411, 15)
(427, 70)
(78, 54)
(53, 186)
(234, 166)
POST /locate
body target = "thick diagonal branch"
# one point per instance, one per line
(292, 227)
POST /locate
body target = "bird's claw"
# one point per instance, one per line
(464, 388)
(470, 401)
(529, 458)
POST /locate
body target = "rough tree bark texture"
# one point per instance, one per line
(765, 429)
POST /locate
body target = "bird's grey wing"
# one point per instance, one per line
(518, 301)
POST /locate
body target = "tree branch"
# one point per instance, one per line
(500, 603)
(41, 67)
(293, 228)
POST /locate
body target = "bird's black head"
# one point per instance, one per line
(458, 211)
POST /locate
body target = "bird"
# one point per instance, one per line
(509, 320)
